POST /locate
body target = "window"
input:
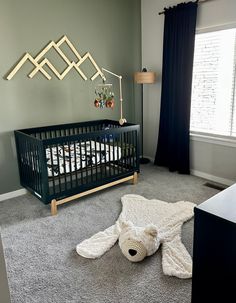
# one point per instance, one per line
(213, 105)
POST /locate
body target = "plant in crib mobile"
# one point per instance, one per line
(104, 96)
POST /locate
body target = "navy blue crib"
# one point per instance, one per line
(60, 163)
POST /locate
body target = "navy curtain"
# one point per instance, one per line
(178, 50)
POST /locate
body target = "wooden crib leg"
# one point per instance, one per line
(135, 178)
(53, 207)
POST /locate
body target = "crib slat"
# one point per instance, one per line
(35, 166)
(100, 155)
(86, 166)
(91, 160)
(37, 170)
(81, 163)
(29, 165)
(32, 164)
(75, 159)
(52, 163)
(135, 149)
(40, 171)
(58, 167)
(70, 166)
(26, 162)
(122, 153)
(96, 162)
(64, 163)
(113, 155)
(23, 158)
(109, 155)
(132, 149)
(128, 151)
(129, 155)
(117, 154)
(31, 147)
(125, 150)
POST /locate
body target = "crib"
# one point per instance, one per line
(64, 162)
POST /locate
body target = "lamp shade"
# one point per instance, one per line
(145, 77)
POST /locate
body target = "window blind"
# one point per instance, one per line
(213, 103)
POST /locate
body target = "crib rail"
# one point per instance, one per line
(62, 130)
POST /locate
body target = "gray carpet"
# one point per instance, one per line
(43, 266)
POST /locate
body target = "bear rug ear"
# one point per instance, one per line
(151, 230)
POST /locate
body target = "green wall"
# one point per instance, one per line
(108, 29)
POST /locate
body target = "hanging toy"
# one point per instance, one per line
(97, 103)
(110, 103)
(105, 96)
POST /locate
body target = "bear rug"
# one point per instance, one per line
(142, 227)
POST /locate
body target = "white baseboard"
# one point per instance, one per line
(203, 175)
(220, 180)
(13, 194)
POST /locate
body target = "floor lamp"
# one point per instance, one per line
(144, 77)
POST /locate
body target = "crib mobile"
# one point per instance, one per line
(105, 95)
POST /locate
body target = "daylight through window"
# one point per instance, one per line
(213, 104)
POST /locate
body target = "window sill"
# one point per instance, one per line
(211, 139)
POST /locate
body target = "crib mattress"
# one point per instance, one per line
(69, 158)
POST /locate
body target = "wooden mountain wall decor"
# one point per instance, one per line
(40, 60)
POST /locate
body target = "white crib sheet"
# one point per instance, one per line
(77, 157)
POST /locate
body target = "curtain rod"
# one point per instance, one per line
(199, 1)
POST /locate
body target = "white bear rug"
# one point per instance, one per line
(166, 217)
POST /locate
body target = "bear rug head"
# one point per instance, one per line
(136, 243)
(140, 229)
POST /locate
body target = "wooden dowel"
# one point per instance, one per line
(55, 203)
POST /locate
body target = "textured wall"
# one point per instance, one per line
(108, 29)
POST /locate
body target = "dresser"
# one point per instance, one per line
(214, 249)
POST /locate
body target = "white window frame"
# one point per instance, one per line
(203, 136)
